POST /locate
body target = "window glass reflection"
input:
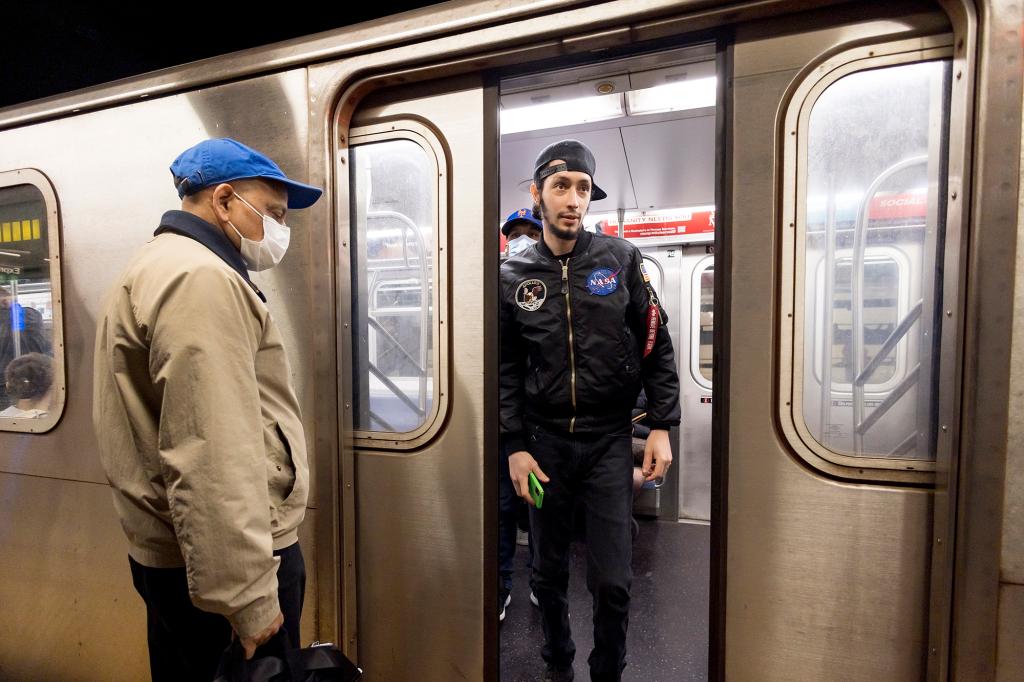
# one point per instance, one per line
(394, 189)
(873, 217)
(26, 305)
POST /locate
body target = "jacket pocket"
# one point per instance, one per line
(629, 355)
(280, 466)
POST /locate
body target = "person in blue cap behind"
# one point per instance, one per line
(522, 230)
(197, 419)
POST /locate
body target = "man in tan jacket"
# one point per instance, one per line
(197, 420)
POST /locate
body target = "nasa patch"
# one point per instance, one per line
(643, 272)
(530, 294)
(603, 281)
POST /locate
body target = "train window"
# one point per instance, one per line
(870, 218)
(31, 339)
(395, 194)
(885, 303)
(702, 330)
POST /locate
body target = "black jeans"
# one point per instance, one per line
(186, 643)
(596, 470)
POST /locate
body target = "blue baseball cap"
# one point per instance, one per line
(212, 162)
(524, 215)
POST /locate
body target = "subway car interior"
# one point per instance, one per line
(827, 198)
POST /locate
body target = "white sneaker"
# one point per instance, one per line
(508, 600)
(534, 600)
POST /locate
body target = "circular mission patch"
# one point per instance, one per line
(530, 294)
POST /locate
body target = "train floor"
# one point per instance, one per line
(668, 620)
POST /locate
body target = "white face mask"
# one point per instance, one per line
(520, 244)
(265, 254)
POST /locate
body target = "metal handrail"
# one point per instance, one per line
(891, 341)
(382, 421)
(399, 393)
(408, 226)
(860, 428)
(398, 344)
(857, 303)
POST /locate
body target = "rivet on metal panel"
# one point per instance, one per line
(945, 428)
(345, 325)
(959, 75)
(938, 541)
(348, 406)
(792, 224)
(949, 313)
(792, 132)
(953, 195)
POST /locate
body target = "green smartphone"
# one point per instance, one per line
(536, 491)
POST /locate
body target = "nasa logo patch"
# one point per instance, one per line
(530, 294)
(602, 281)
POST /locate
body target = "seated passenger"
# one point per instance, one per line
(28, 380)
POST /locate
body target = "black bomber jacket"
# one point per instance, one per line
(573, 337)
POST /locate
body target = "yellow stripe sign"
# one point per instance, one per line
(20, 231)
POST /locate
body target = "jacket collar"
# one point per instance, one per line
(582, 245)
(194, 227)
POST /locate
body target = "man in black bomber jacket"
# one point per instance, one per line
(582, 331)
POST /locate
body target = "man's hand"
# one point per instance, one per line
(261, 638)
(520, 464)
(657, 455)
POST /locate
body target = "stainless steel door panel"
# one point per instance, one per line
(420, 516)
(824, 579)
(69, 609)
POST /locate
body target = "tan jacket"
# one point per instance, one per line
(195, 416)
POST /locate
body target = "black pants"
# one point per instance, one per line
(186, 643)
(596, 470)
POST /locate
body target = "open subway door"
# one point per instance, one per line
(841, 273)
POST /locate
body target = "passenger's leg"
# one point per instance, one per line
(550, 532)
(508, 513)
(291, 590)
(606, 493)
(185, 643)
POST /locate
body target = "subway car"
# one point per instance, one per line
(828, 196)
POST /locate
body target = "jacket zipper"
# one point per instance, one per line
(572, 352)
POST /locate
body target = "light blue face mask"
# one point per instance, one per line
(520, 244)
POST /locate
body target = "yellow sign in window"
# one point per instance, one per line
(20, 230)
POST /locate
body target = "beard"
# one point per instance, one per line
(551, 224)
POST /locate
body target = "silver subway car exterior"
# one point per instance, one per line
(862, 461)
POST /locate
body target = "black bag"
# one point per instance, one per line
(312, 664)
